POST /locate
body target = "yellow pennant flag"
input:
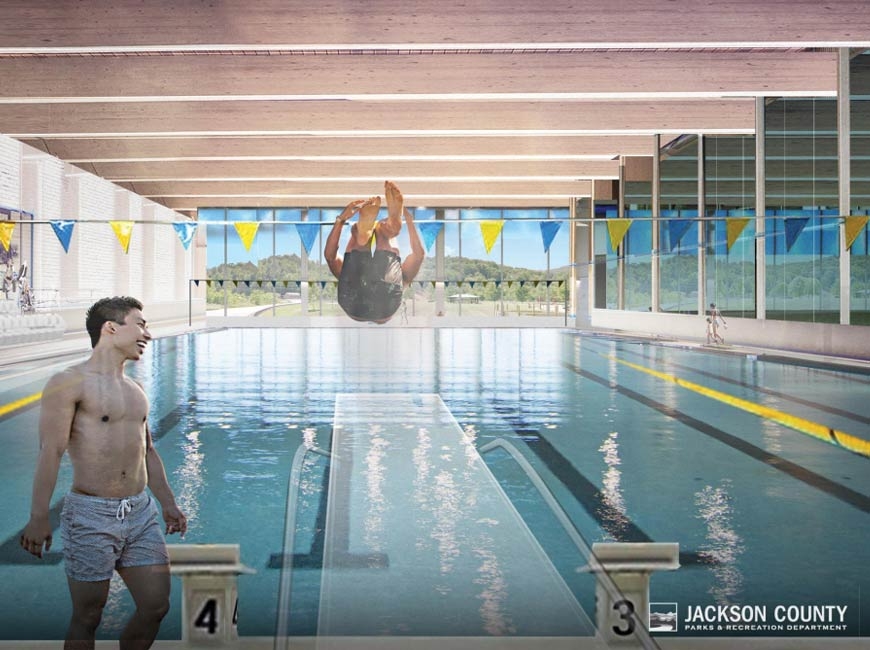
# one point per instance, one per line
(247, 231)
(617, 228)
(6, 229)
(490, 231)
(733, 227)
(854, 226)
(123, 231)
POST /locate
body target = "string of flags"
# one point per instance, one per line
(429, 231)
(421, 283)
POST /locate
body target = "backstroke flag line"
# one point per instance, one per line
(186, 231)
(123, 231)
(63, 229)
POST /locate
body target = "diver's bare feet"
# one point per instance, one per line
(368, 216)
(395, 205)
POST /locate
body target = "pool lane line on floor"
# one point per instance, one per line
(799, 472)
(20, 404)
(863, 419)
(824, 433)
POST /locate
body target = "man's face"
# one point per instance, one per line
(132, 336)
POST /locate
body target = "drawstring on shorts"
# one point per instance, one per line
(123, 508)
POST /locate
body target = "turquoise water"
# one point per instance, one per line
(764, 515)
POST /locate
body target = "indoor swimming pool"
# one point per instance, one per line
(638, 442)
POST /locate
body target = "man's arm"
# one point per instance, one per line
(55, 421)
(413, 262)
(175, 520)
(330, 249)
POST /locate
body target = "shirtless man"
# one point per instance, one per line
(109, 522)
(370, 285)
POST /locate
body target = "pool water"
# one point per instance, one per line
(764, 515)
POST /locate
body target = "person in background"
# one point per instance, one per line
(717, 320)
(109, 522)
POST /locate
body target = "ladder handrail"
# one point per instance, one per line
(286, 581)
(593, 564)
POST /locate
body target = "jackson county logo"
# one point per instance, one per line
(662, 617)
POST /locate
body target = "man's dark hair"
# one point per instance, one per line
(108, 309)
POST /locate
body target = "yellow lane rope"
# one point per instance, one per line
(19, 404)
(820, 431)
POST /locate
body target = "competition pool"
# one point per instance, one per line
(638, 442)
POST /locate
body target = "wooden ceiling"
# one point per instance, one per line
(462, 103)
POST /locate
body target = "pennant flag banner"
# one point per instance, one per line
(498, 283)
(6, 230)
(548, 232)
(123, 231)
(429, 231)
(676, 229)
(247, 283)
(63, 229)
(854, 226)
(247, 231)
(185, 231)
(793, 229)
(733, 227)
(490, 231)
(196, 283)
(617, 228)
(308, 234)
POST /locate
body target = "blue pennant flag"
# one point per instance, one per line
(185, 230)
(63, 229)
(430, 233)
(676, 229)
(548, 232)
(308, 233)
(793, 229)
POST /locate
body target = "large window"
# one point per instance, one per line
(802, 237)
(860, 190)
(678, 228)
(729, 170)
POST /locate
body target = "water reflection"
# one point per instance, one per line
(494, 593)
(723, 546)
(190, 478)
(374, 475)
(613, 517)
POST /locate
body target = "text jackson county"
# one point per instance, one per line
(758, 614)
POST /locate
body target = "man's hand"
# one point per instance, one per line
(36, 533)
(175, 520)
(351, 209)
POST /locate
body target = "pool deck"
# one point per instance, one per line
(78, 343)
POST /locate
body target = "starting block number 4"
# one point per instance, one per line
(208, 620)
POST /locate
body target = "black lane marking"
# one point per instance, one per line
(585, 491)
(807, 476)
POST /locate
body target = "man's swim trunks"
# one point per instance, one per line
(101, 535)
(370, 286)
